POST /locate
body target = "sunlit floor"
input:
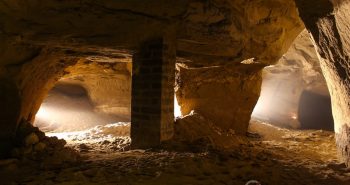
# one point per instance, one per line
(99, 139)
(273, 156)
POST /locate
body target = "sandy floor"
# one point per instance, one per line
(273, 156)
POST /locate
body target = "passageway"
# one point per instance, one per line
(294, 92)
(174, 92)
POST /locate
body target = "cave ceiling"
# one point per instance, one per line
(209, 31)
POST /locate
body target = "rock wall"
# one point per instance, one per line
(23, 94)
(225, 95)
(302, 58)
(330, 27)
(108, 85)
(27, 84)
(238, 30)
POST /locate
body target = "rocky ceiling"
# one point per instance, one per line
(214, 30)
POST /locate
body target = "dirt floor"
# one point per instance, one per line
(269, 155)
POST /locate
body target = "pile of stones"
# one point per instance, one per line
(31, 144)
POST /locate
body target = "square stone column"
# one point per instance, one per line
(152, 101)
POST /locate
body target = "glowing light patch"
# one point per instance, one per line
(42, 113)
(177, 108)
(261, 108)
(65, 135)
(97, 134)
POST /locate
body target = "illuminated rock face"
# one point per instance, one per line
(330, 27)
(41, 42)
(225, 95)
(108, 85)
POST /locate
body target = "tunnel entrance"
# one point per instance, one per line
(294, 93)
(315, 111)
(284, 102)
(68, 108)
(90, 107)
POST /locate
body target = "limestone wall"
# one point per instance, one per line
(330, 27)
(226, 95)
(108, 85)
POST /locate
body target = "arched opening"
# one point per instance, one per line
(293, 115)
(315, 111)
(88, 106)
(294, 93)
(68, 108)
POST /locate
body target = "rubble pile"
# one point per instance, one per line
(31, 144)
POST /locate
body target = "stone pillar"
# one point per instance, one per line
(329, 25)
(152, 102)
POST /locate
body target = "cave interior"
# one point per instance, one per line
(175, 92)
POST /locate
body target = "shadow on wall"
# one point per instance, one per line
(315, 111)
(9, 112)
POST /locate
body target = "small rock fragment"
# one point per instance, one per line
(31, 139)
(39, 146)
(84, 147)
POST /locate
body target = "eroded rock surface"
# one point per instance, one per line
(195, 129)
(238, 29)
(108, 85)
(216, 93)
(329, 27)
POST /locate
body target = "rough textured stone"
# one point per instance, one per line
(39, 147)
(301, 59)
(216, 92)
(330, 28)
(195, 129)
(108, 85)
(343, 143)
(239, 29)
(31, 139)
